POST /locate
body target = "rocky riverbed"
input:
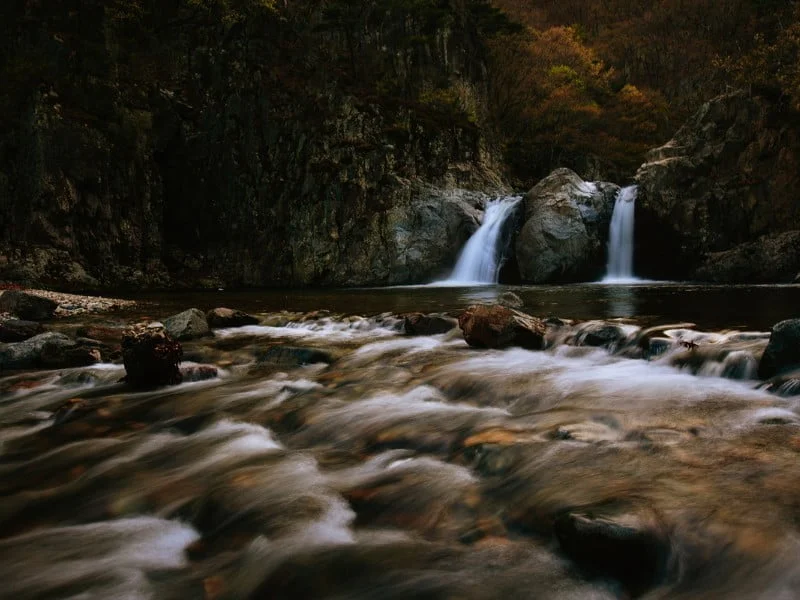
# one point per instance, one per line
(425, 455)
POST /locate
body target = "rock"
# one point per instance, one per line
(150, 355)
(220, 318)
(199, 372)
(432, 324)
(48, 350)
(188, 325)
(27, 306)
(770, 258)
(16, 330)
(566, 229)
(598, 334)
(111, 335)
(510, 300)
(728, 177)
(625, 547)
(293, 356)
(783, 350)
(495, 326)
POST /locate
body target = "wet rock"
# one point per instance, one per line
(422, 324)
(220, 318)
(110, 335)
(787, 384)
(27, 306)
(625, 547)
(599, 334)
(566, 227)
(199, 372)
(510, 300)
(48, 350)
(150, 356)
(293, 356)
(71, 410)
(188, 325)
(783, 350)
(495, 326)
(16, 330)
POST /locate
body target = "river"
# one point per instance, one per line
(414, 467)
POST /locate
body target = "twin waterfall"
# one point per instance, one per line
(479, 262)
(620, 238)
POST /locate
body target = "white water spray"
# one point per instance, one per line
(480, 259)
(620, 241)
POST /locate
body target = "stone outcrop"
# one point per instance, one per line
(566, 229)
(719, 201)
(496, 326)
(27, 306)
(431, 324)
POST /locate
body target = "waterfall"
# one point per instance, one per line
(480, 260)
(620, 239)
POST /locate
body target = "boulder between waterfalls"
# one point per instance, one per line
(496, 326)
(151, 357)
(566, 228)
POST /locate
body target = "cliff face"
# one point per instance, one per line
(190, 143)
(719, 202)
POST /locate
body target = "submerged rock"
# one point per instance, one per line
(783, 350)
(433, 324)
(293, 356)
(599, 334)
(188, 325)
(624, 547)
(510, 299)
(495, 326)
(17, 330)
(27, 306)
(150, 356)
(220, 318)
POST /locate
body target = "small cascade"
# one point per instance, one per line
(480, 259)
(620, 239)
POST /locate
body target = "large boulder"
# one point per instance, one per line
(15, 330)
(566, 228)
(48, 350)
(188, 325)
(728, 177)
(151, 356)
(221, 318)
(495, 326)
(27, 306)
(782, 353)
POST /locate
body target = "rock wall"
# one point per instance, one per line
(169, 147)
(723, 195)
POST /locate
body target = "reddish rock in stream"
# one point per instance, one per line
(495, 326)
(151, 356)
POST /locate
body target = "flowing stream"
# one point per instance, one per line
(620, 242)
(406, 467)
(480, 260)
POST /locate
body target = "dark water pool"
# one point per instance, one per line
(713, 307)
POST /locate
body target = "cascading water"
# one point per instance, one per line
(620, 240)
(480, 260)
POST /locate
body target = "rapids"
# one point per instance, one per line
(408, 467)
